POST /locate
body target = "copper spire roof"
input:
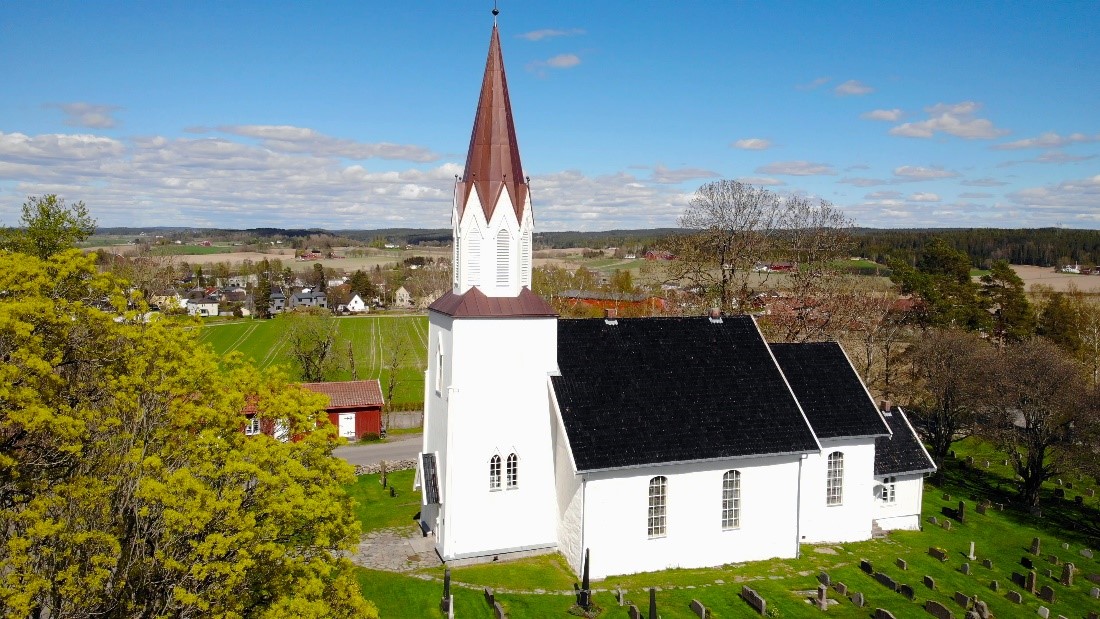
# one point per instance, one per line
(492, 164)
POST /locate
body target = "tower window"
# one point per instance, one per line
(658, 496)
(834, 481)
(473, 259)
(731, 500)
(525, 259)
(494, 473)
(504, 259)
(513, 471)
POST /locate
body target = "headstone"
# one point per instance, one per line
(866, 566)
(982, 609)
(937, 610)
(653, 603)
(1059, 493)
(698, 608)
(1046, 594)
(1014, 597)
(619, 596)
(937, 553)
(1069, 484)
(930, 582)
(489, 597)
(498, 611)
(987, 464)
(987, 564)
(633, 611)
(754, 599)
(970, 461)
(1053, 559)
(446, 603)
(584, 596)
(858, 600)
(822, 598)
(1059, 481)
(902, 565)
(1094, 578)
(1030, 583)
(1065, 546)
(1019, 579)
(960, 514)
(965, 569)
(1078, 499)
(994, 585)
(1094, 593)
(1094, 614)
(946, 497)
(823, 578)
(1036, 546)
(886, 581)
(1027, 563)
(934, 520)
(1085, 552)
(882, 613)
(1044, 612)
(1067, 574)
(947, 524)
(971, 555)
(980, 508)
(907, 591)
(1091, 492)
(840, 588)
(1049, 573)
(962, 599)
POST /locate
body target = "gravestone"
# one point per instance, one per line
(937, 553)
(498, 611)
(1059, 493)
(753, 598)
(447, 601)
(946, 497)
(962, 599)
(971, 555)
(1036, 546)
(822, 598)
(619, 596)
(960, 513)
(947, 524)
(1019, 579)
(930, 582)
(970, 461)
(1094, 578)
(937, 610)
(934, 520)
(902, 565)
(1014, 597)
(980, 508)
(1027, 563)
(1030, 583)
(1065, 546)
(1046, 594)
(1094, 614)
(633, 611)
(1067, 574)
(858, 600)
(907, 591)
(866, 566)
(1094, 593)
(1054, 559)
(1085, 552)
(1059, 481)
(987, 564)
(882, 613)
(698, 608)
(489, 597)
(1044, 612)
(994, 585)
(886, 581)
(823, 578)
(840, 588)
(982, 609)
(653, 604)
(1069, 484)
(1049, 573)
(1091, 492)
(986, 464)
(965, 569)
(1078, 499)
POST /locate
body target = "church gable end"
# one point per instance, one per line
(901, 452)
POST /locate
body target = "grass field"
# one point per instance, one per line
(189, 250)
(535, 587)
(264, 342)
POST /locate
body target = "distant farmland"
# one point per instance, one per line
(371, 339)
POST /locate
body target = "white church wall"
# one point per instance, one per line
(850, 520)
(570, 497)
(905, 511)
(479, 259)
(437, 379)
(616, 510)
(498, 406)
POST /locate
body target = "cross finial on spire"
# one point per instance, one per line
(496, 11)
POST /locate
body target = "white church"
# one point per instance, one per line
(652, 442)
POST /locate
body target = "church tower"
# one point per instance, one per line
(486, 466)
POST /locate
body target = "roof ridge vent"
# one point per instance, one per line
(715, 315)
(610, 316)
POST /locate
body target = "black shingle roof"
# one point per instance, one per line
(902, 452)
(657, 390)
(829, 390)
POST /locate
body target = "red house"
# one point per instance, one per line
(355, 406)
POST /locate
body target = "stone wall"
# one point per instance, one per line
(391, 466)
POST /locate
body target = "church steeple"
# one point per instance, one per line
(492, 164)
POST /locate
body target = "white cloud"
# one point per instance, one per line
(975, 195)
(753, 144)
(924, 197)
(1072, 197)
(564, 61)
(892, 115)
(954, 119)
(89, 115)
(984, 182)
(665, 175)
(1048, 140)
(550, 33)
(796, 168)
(920, 173)
(853, 87)
(290, 139)
(883, 195)
(817, 83)
(764, 181)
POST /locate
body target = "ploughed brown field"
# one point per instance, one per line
(1058, 281)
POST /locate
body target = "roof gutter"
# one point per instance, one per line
(698, 460)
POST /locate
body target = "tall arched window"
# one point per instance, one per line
(658, 502)
(473, 259)
(731, 500)
(513, 471)
(494, 473)
(525, 260)
(834, 481)
(504, 258)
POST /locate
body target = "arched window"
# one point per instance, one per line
(834, 481)
(513, 471)
(731, 500)
(473, 259)
(658, 501)
(504, 258)
(494, 473)
(525, 260)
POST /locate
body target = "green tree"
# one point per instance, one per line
(622, 281)
(1058, 323)
(127, 487)
(311, 334)
(360, 283)
(48, 227)
(941, 279)
(318, 277)
(262, 298)
(1003, 292)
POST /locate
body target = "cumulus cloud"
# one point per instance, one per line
(796, 168)
(921, 173)
(883, 195)
(853, 88)
(753, 144)
(813, 85)
(924, 197)
(561, 61)
(1048, 140)
(665, 175)
(550, 33)
(291, 139)
(763, 181)
(984, 182)
(892, 115)
(957, 119)
(1072, 197)
(88, 115)
(975, 195)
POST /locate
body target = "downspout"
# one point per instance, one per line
(798, 512)
(584, 521)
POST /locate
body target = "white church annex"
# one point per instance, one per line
(651, 442)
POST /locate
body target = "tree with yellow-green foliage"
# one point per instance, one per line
(127, 487)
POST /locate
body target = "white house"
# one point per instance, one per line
(651, 442)
(356, 305)
(402, 298)
(205, 306)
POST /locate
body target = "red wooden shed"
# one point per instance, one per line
(355, 406)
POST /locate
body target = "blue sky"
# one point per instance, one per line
(358, 114)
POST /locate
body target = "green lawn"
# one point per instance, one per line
(376, 509)
(264, 343)
(1002, 537)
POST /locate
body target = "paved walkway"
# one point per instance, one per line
(401, 549)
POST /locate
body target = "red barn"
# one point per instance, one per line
(355, 406)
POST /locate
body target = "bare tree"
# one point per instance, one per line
(1042, 418)
(876, 327)
(947, 379)
(397, 353)
(312, 339)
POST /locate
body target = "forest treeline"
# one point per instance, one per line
(1045, 247)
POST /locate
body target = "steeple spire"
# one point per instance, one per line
(492, 163)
